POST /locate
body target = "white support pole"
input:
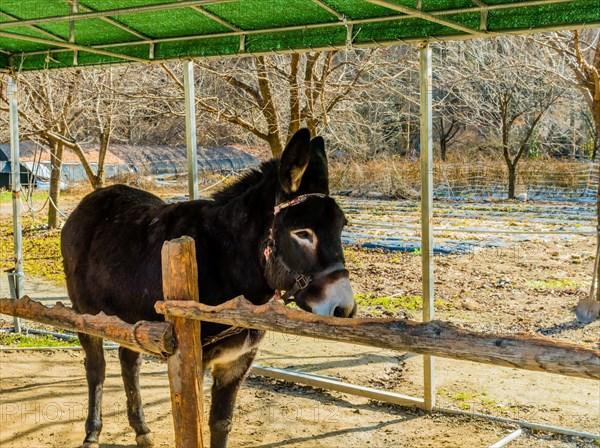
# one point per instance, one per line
(190, 129)
(74, 11)
(506, 440)
(427, 214)
(334, 384)
(15, 165)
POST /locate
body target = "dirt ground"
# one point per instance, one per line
(43, 405)
(529, 283)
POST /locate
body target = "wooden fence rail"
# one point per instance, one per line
(154, 338)
(434, 338)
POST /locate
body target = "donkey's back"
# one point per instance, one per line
(111, 250)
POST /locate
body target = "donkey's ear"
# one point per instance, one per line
(318, 154)
(318, 168)
(294, 161)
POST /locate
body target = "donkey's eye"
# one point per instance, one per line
(304, 235)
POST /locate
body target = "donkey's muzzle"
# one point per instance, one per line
(332, 295)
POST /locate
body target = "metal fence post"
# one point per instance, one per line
(15, 165)
(190, 128)
(427, 214)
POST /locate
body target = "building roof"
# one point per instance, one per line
(159, 159)
(50, 34)
(31, 151)
(149, 159)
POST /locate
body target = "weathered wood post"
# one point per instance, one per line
(180, 282)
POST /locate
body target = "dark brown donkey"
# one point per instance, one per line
(275, 229)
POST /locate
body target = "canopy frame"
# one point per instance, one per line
(124, 46)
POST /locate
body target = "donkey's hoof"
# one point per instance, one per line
(144, 441)
(90, 445)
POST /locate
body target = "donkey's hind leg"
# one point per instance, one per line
(227, 379)
(130, 371)
(95, 368)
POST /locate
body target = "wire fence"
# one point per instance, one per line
(534, 182)
(399, 178)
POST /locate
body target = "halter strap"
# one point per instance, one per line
(301, 281)
(297, 200)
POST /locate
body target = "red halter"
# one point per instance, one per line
(301, 281)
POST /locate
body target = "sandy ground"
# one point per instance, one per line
(530, 284)
(43, 405)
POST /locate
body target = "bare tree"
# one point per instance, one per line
(582, 55)
(505, 98)
(68, 110)
(447, 122)
(49, 106)
(99, 120)
(271, 97)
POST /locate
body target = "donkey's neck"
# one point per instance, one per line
(244, 220)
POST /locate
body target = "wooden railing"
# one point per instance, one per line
(434, 338)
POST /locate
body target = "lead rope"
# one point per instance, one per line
(231, 331)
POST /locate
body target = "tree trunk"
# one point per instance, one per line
(443, 149)
(275, 145)
(295, 115)
(101, 171)
(596, 117)
(56, 154)
(512, 179)
(269, 107)
(597, 265)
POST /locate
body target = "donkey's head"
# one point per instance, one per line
(303, 250)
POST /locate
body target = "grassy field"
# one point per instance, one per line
(6, 196)
(35, 340)
(41, 248)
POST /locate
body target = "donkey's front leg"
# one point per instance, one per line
(227, 379)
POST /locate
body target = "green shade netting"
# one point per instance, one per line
(203, 29)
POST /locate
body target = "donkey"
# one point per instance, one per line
(276, 229)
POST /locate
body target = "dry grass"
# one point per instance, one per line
(398, 177)
(393, 177)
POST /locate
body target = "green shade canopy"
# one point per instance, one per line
(50, 34)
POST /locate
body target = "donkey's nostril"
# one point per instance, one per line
(354, 310)
(341, 311)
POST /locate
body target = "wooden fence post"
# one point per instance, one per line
(180, 282)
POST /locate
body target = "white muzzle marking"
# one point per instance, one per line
(337, 294)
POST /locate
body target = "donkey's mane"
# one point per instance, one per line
(246, 182)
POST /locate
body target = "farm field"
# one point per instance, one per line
(523, 274)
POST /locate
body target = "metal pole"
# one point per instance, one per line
(523, 423)
(15, 165)
(506, 440)
(427, 215)
(190, 129)
(334, 384)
